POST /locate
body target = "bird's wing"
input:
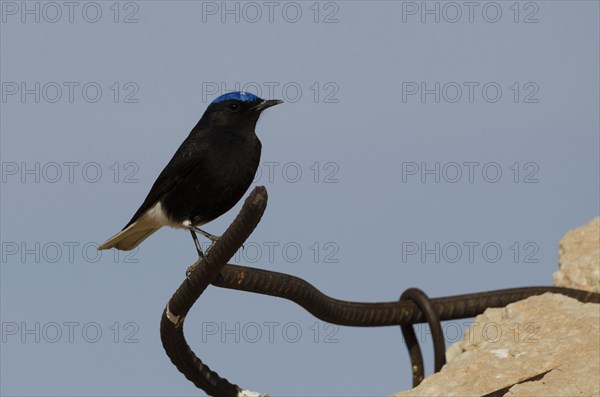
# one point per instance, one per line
(176, 170)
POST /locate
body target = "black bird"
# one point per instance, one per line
(207, 176)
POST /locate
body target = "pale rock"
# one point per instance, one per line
(579, 258)
(549, 332)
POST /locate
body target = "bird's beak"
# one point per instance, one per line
(266, 103)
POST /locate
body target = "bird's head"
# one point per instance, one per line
(238, 108)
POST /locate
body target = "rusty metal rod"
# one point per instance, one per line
(173, 317)
(377, 314)
(215, 270)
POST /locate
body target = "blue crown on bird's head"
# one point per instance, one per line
(237, 95)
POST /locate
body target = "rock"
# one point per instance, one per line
(579, 258)
(504, 346)
(550, 333)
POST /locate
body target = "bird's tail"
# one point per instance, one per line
(130, 237)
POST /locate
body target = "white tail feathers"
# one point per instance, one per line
(129, 238)
(132, 236)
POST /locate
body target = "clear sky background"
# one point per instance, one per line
(96, 97)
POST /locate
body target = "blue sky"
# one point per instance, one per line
(447, 148)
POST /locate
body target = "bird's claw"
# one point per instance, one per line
(201, 257)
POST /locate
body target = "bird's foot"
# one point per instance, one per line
(201, 257)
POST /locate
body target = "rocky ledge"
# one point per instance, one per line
(552, 338)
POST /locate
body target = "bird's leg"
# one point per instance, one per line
(200, 253)
(205, 234)
(197, 244)
(193, 229)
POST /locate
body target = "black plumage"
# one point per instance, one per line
(208, 174)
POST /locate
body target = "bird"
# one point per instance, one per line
(209, 173)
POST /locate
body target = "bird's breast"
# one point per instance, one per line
(220, 180)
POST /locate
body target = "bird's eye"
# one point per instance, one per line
(234, 107)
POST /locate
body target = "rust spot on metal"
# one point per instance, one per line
(241, 277)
